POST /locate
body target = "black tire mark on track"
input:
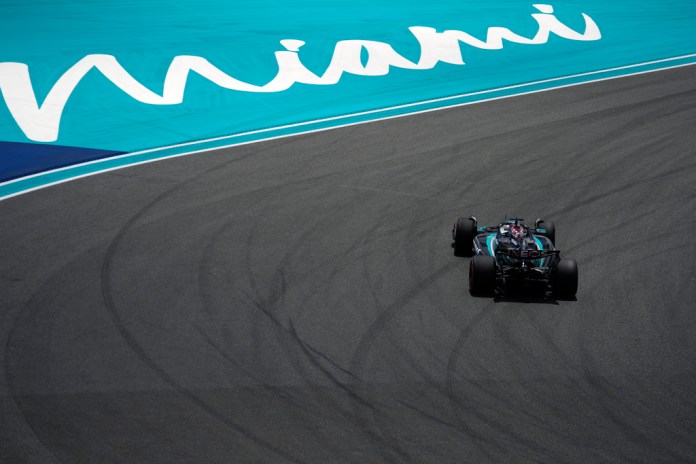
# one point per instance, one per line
(386, 316)
(286, 333)
(290, 339)
(479, 438)
(139, 350)
(16, 398)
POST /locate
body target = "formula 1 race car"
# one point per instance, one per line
(514, 255)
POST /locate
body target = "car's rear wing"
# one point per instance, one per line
(527, 254)
(493, 229)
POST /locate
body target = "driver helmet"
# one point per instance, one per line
(517, 232)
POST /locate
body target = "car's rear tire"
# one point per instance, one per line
(549, 230)
(463, 235)
(482, 275)
(565, 282)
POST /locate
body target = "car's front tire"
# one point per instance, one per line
(549, 230)
(463, 236)
(565, 282)
(482, 278)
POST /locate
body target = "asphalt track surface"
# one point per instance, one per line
(297, 300)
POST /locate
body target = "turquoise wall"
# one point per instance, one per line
(240, 39)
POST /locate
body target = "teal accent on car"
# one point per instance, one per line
(489, 244)
(540, 244)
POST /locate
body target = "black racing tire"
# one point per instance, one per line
(482, 278)
(565, 281)
(463, 235)
(550, 230)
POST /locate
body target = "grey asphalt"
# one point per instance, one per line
(297, 300)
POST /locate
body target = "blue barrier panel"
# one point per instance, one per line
(22, 159)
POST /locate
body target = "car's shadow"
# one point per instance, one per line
(522, 296)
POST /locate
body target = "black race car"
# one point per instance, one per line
(514, 255)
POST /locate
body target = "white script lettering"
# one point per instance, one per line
(41, 123)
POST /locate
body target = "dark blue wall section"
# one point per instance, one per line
(22, 159)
